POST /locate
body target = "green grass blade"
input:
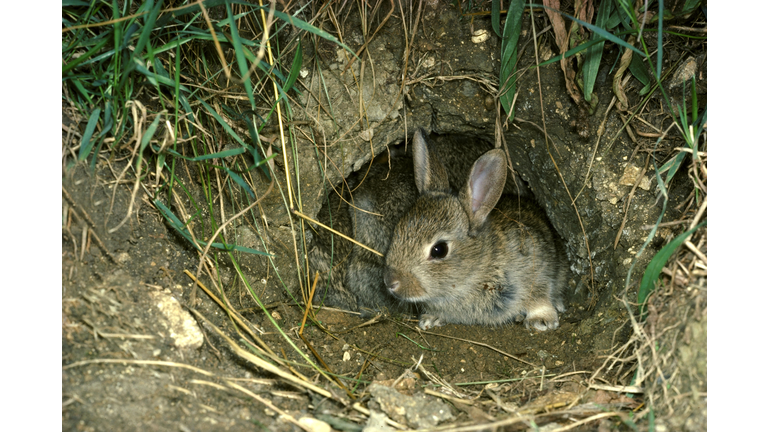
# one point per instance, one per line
(181, 228)
(694, 100)
(595, 53)
(683, 117)
(652, 233)
(223, 124)
(173, 44)
(230, 247)
(96, 48)
(614, 20)
(237, 138)
(303, 25)
(701, 121)
(217, 155)
(242, 64)
(572, 51)
(672, 165)
(689, 6)
(660, 40)
(83, 92)
(193, 8)
(240, 182)
(103, 56)
(638, 69)
(133, 28)
(509, 40)
(160, 70)
(220, 155)
(149, 25)
(86, 144)
(146, 137)
(298, 59)
(653, 271)
(625, 13)
(117, 31)
(175, 223)
(254, 149)
(422, 347)
(108, 121)
(292, 20)
(496, 16)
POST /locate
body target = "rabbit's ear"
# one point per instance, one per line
(484, 187)
(428, 170)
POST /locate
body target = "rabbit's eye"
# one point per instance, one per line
(439, 250)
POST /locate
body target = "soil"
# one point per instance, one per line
(137, 356)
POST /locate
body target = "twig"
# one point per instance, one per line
(139, 362)
(664, 224)
(328, 368)
(263, 364)
(586, 420)
(269, 405)
(305, 217)
(696, 251)
(699, 214)
(309, 303)
(234, 316)
(482, 345)
(618, 389)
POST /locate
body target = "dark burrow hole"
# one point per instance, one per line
(390, 178)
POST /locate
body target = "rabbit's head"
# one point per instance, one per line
(439, 247)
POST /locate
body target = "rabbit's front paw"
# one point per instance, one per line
(542, 318)
(427, 321)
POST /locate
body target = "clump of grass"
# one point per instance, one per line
(155, 84)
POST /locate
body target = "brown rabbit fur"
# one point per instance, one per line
(351, 277)
(472, 258)
(357, 279)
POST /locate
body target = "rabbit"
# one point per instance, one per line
(369, 214)
(475, 257)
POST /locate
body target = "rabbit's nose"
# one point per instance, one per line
(394, 286)
(391, 281)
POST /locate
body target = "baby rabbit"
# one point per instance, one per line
(352, 277)
(368, 215)
(471, 258)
